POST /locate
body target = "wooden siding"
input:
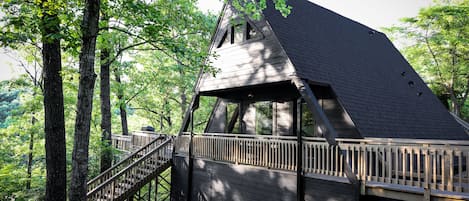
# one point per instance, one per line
(214, 181)
(324, 190)
(256, 61)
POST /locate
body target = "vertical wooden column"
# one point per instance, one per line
(299, 159)
(191, 162)
(189, 121)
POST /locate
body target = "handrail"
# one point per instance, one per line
(122, 164)
(130, 167)
(245, 136)
(390, 141)
(387, 141)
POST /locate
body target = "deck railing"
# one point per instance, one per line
(104, 176)
(134, 141)
(122, 183)
(439, 165)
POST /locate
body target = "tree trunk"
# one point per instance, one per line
(122, 105)
(123, 112)
(455, 106)
(54, 127)
(106, 153)
(30, 154)
(89, 30)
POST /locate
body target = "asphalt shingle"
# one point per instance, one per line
(365, 71)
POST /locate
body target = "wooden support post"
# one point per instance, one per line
(427, 171)
(194, 106)
(299, 165)
(329, 132)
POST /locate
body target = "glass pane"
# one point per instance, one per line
(308, 124)
(232, 116)
(250, 32)
(264, 118)
(238, 33)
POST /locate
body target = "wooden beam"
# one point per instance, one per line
(328, 130)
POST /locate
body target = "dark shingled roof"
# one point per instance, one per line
(381, 92)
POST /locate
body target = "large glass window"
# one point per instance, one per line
(232, 118)
(263, 118)
(308, 123)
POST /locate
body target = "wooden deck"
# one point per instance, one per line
(393, 168)
(400, 169)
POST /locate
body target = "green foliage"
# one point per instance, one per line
(8, 103)
(437, 48)
(254, 8)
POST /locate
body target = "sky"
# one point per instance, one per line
(373, 13)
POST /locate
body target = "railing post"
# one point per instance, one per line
(427, 171)
(362, 167)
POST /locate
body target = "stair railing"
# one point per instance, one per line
(133, 176)
(93, 183)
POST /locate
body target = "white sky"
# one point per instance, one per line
(373, 13)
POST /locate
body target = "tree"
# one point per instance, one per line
(89, 30)
(53, 103)
(439, 50)
(105, 92)
(38, 23)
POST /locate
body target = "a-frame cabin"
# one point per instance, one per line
(316, 106)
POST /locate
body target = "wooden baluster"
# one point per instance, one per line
(353, 159)
(327, 149)
(460, 172)
(419, 153)
(451, 170)
(396, 149)
(466, 189)
(434, 167)
(341, 166)
(336, 160)
(404, 165)
(443, 170)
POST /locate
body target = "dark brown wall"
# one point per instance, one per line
(213, 181)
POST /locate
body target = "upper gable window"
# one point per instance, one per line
(238, 33)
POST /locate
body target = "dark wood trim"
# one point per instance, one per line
(330, 133)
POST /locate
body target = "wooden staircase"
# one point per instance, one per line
(129, 175)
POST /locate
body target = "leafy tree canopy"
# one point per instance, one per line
(437, 48)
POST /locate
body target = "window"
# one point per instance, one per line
(308, 123)
(250, 32)
(238, 33)
(232, 118)
(263, 118)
